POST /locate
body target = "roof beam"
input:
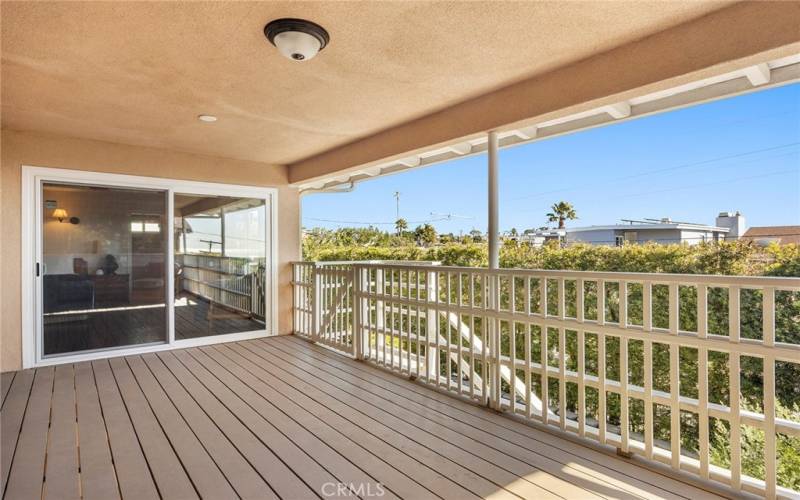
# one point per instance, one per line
(758, 74)
(527, 133)
(619, 110)
(461, 148)
(763, 31)
(411, 161)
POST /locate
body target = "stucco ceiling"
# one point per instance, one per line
(140, 72)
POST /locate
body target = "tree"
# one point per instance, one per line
(425, 235)
(447, 238)
(513, 232)
(476, 235)
(401, 225)
(561, 212)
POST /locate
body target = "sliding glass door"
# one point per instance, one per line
(103, 268)
(220, 265)
(131, 264)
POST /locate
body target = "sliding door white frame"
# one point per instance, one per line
(32, 217)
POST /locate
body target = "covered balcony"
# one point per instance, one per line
(161, 336)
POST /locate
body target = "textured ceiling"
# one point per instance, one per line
(140, 72)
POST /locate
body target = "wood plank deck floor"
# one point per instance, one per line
(281, 418)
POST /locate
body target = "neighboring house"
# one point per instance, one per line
(538, 237)
(782, 235)
(735, 222)
(665, 231)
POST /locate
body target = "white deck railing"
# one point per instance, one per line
(547, 345)
(233, 282)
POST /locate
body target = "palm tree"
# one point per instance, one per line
(401, 225)
(561, 212)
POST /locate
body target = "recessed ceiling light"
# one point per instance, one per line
(296, 39)
(207, 118)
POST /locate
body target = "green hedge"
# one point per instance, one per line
(730, 258)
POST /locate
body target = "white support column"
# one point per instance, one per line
(494, 244)
(222, 230)
(493, 325)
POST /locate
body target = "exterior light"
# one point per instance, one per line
(296, 39)
(207, 118)
(60, 214)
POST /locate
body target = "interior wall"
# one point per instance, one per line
(104, 227)
(44, 150)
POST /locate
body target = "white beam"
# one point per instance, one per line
(758, 75)
(372, 172)
(618, 110)
(527, 133)
(411, 161)
(494, 236)
(460, 149)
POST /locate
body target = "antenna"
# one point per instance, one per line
(397, 197)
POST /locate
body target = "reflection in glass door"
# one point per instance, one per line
(104, 263)
(220, 265)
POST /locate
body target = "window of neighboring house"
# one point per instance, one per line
(619, 240)
(631, 236)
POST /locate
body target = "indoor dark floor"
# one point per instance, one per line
(116, 327)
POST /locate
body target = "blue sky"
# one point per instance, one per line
(741, 153)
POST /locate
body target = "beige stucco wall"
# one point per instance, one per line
(29, 148)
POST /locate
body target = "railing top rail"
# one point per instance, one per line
(655, 278)
(322, 263)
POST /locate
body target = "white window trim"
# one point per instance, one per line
(33, 176)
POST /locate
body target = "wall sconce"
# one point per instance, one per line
(61, 214)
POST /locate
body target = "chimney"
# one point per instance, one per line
(735, 222)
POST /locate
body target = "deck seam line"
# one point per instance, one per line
(10, 385)
(108, 436)
(19, 433)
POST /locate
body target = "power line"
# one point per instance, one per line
(680, 188)
(333, 221)
(661, 170)
(727, 181)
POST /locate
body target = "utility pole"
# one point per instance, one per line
(397, 212)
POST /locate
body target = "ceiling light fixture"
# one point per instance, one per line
(296, 39)
(207, 118)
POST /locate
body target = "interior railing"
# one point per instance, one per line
(700, 352)
(236, 283)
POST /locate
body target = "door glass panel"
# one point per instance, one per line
(104, 267)
(220, 265)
